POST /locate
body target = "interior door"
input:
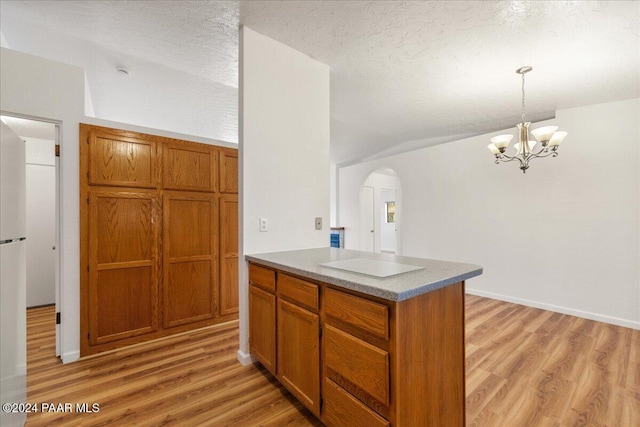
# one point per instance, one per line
(123, 264)
(190, 257)
(367, 220)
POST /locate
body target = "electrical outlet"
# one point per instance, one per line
(264, 225)
(318, 223)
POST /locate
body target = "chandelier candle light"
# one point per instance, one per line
(548, 136)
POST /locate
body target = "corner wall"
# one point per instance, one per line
(565, 236)
(44, 89)
(284, 154)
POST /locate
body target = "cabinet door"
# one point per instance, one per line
(123, 264)
(229, 254)
(190, 258)
(122, 160)
(190, 166)
(299, 353)
(262, 327)
(229, 171)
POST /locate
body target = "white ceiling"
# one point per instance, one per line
(403, 74)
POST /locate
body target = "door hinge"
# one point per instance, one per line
(57, 318)
(321, 403)
(320, 331)
(57, 150)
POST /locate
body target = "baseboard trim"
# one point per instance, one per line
(70, 356)
(246, 358)
(558, 309)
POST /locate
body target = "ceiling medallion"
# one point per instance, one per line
(548, 136)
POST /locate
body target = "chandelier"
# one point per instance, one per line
(548, 136)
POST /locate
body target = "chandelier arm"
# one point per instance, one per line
(511, 159)
(550, 153)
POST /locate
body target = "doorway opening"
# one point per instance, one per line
(381, 212)
(42, 219)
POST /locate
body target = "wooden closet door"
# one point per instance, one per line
(190, 257)
(229, 171)
(190, 166)
(123, 264)
(119, 159)
(228, 254)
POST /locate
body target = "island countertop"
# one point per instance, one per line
(431, 275)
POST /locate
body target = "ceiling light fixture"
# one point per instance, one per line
(548, 136)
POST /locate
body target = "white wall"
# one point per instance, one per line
(564, 236)
(284, 151)
(40, 88)
(40, 219)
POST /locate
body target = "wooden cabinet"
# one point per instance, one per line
(262, 316)
(286, 339)
(228, 254)
(158, 240)
(381, 363)
(190, 254)
(123, 264)
(190, 166)
(228, 171)
(122, 160)
(298, 339)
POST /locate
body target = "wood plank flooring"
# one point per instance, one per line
(525, 367)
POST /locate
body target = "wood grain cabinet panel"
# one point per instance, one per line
(120, 160)
(262, 277)
(343, 410)
(262, 327)
(190, 255)
(229, 171)
(123, 267)
(190, 166)
(383, 363)
(361, 317)
(359, 367)
(158, 238)
(228, 254)
(298, 352)
(299, 291)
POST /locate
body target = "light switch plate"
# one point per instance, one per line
(264, 225)
(319, 223)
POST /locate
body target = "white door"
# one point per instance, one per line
(367, 220)
(13, 327)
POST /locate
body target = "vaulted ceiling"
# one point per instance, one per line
(403, 74)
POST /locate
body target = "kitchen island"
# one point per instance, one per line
(362, 338)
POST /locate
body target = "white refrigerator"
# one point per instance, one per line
(13, 284)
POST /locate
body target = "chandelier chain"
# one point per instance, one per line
(522, 97)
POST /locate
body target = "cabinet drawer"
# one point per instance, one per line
(358, 316)
(299, 291)
(262, 277)
(343, 410)
(359, 367)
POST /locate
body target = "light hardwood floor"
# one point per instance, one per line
(525, 367)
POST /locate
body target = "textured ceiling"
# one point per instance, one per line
(403, 74)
